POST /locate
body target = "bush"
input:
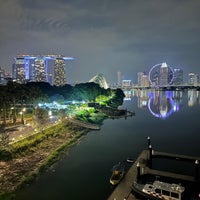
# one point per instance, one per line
(5, 155)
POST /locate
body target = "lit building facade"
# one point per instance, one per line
(59, 72)
(4, 76)
(1, 76)
(36, 68)
(19, 70)
(178, 77)
(193, 79)
(119, 78)
(40, 70)
(143, 80)
(126, 84)
(139, 78)
(163, 75)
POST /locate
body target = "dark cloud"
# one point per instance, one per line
(104, 36)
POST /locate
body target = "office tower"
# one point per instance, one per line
(164, 74)
(4, 76)
(1, 76)
(143, 79)
(139, 78)
(19, 70)
(37, 68)
(126, 83)
(39, 71)
(59, 72)
(193, 79)
(119, 78)
(178, 77)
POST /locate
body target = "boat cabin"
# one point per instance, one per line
(164, 190)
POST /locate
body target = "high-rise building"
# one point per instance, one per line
(139, 78)
(59, 72)
(193, 79)
(40, 70)
(19, 69)
(163, 74)
(1, 76)
(119, 78)
(143, 79)
(178, 77)
(4, 76)
(126, 84)
(36, 68)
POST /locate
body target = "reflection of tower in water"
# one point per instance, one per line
(192, 97)
(164, 106)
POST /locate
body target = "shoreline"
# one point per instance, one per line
(27, 165)
(37, 153)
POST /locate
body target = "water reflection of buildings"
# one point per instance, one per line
(193, 97)
(162, 104)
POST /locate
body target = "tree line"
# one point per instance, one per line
(14, 97)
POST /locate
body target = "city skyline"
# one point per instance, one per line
(40, 68)
(103, 36)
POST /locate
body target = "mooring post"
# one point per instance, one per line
(196, 170)
(138, 170)
(150, 156)
(148, 141)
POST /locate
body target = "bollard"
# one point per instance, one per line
(150, 156)
(149, 141)
(196, 170)
(138, 170)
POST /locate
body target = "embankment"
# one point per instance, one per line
(23, 161)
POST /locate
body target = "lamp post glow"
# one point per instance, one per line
(22, 115)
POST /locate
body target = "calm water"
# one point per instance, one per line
(171, 119)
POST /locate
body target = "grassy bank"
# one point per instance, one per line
(32, 156)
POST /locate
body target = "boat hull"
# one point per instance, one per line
(137, 188)
(115, 179)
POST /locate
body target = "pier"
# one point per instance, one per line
(143, 166)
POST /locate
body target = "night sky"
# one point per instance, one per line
(104, 36)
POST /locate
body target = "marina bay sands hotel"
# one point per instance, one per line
(41, 68)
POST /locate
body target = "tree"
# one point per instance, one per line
(4, 136)
(40, 117)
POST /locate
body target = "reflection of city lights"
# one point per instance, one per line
(144, 103)
(164, 112)
(50, 113)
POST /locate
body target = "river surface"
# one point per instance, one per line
(170, 118)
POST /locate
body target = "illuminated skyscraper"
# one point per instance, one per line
(36, 68)
(178, 77)
(163, 74)
(126, 84)
(139, 77)
(193, 79)
(1, 76)
(119, 78)
(39, 71)
(59, 72)
(19, 70)
(143, 80)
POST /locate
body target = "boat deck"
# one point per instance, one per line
(123, 190)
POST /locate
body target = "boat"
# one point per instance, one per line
(117, 174)
(130, 160)
(159, 190)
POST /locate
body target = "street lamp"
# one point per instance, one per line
(22, 115)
